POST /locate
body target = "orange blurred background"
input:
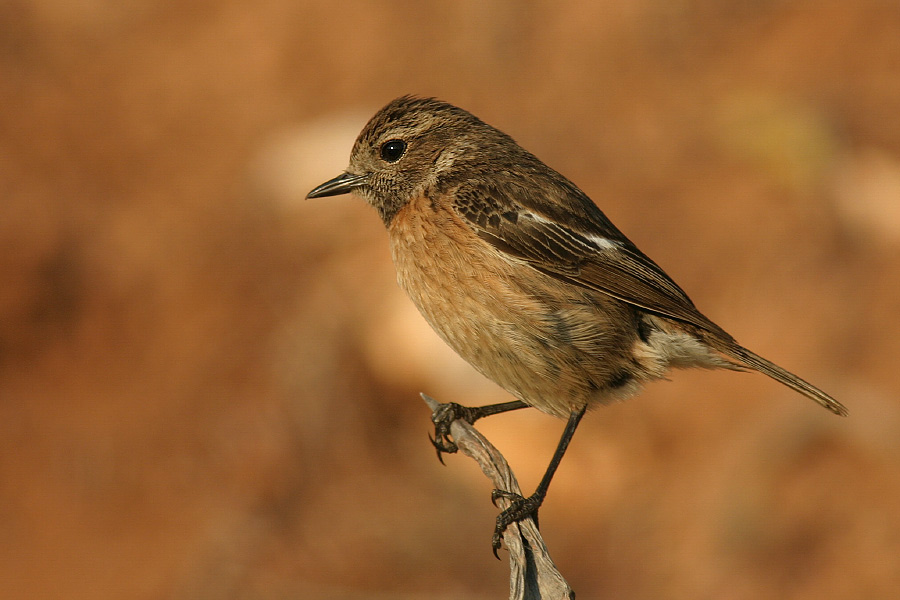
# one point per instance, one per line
(208, 386)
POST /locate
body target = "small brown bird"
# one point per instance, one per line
(524, 277)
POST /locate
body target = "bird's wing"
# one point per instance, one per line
(569, 238)
(562, 233)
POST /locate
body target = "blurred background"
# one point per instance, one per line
(208, 386)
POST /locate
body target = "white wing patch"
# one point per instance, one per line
(601, 243)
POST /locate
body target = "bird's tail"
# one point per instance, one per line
(754, 361)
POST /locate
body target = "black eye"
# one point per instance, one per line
(392, 150)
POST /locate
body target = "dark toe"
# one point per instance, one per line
(520, 508)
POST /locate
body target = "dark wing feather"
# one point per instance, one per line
(575, 243)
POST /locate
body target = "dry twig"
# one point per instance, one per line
(533, 575)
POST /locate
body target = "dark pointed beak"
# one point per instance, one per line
(342, 184)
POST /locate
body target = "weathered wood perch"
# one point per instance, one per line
(533, 576)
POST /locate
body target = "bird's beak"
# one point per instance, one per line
(342, 184)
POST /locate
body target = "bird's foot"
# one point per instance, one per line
(442, 418)
(520, 508)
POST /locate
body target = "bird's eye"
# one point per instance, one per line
(392, 150)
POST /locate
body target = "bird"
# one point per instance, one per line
(523, 275)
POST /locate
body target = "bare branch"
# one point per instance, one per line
(533, 576)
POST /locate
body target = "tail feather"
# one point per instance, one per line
(769, 368)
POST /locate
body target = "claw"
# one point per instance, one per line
(442, 447)
(495, 544)
(497, 494)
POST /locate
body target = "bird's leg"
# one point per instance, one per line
(520, 507)
(445, 414)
